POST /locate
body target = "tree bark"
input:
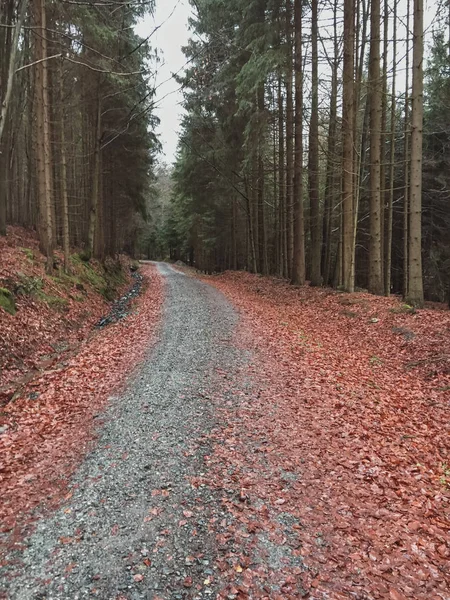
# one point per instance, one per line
(282, 184)
(348, 208)
(375, 275)
(331, 160)
(298, 265)
(415, 282)
(95, 181)
(43, 150)
(9, 45)
(390, 197)
(289, 141)
(313, 162)
(407, 162)
(64, 194)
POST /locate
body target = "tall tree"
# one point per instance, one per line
(415, 282)
(42, 133)
(391, 186)
(9, 46)
(348, 203)
(313, 162)
(375, 246)
(290, 132)
(298, 265)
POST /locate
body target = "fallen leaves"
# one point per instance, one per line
(342, 439)
(42, 334)
(46, 438)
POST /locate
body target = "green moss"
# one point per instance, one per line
(403, 309)
(80, 257)
(90, 275)
(28, 286)
(28, 253)
(66, 280)
(7, 301)
(105, 278)
(53, 301)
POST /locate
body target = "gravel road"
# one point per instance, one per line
(134, 526)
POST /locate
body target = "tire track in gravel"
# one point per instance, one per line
(135, 527)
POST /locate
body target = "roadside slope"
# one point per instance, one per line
(48, 425)
(43, 318)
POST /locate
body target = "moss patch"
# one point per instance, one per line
(404, 309)
(28, 253)
(104, 278)
(28, 286)
(7, 301)
(53, 301)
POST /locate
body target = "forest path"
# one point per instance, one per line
(135, 527)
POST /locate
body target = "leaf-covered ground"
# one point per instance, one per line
(48, 426)
(342, 456)
(53, 313)
(329, 457)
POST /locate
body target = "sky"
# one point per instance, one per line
(172, 17)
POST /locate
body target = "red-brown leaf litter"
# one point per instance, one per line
(343, 455)
(333, 457)
(48, 425)
(37, 329)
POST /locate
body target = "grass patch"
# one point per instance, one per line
(28, 286)
(28, 253)
(7, 301)
(404, 309)
(105, 278)
(53, 301)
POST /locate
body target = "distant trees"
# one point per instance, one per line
(300, 149)
(76, 134)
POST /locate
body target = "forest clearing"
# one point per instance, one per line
(224, 299)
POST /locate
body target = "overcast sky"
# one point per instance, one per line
(172, 16)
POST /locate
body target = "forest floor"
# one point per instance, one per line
(59, 364)
(344, 452)
(273, 443)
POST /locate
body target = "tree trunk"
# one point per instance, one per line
(415, 283)
(289, 141)
(331, 160)
(43, 150)
(298, 265)
(282, 184)
(64, 194)
(95, 180)
(390, 197)
(251, 237)
(260, 198)
(383, 141)
(348, 209)
(9, 45)
(313, 162)
(407, 164)
(375, 275)
(9, 66)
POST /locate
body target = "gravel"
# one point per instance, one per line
(121, 307)
(135, 527)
